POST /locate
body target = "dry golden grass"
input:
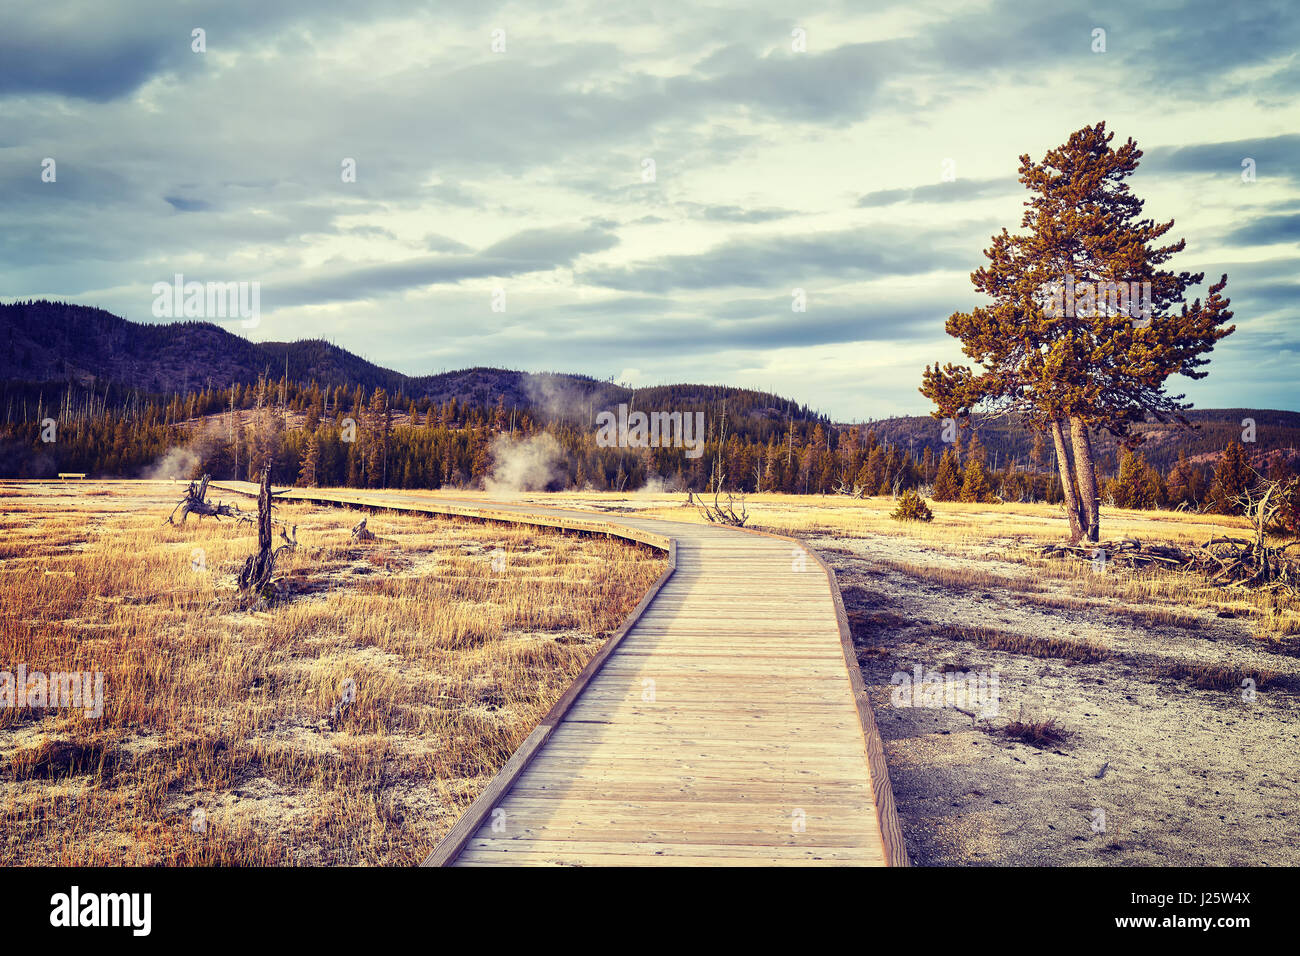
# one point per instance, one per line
(213, 706)
(1041, 733)
(955, 523)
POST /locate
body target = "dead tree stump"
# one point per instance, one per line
(257, 570)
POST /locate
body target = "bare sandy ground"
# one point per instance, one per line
(1153, 771)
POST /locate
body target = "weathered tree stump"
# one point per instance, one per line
(257, 570)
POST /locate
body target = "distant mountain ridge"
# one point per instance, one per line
(44, 343)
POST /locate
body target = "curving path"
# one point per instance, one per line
(725, 724)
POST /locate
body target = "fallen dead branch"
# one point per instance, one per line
(1226, 561)
(195, 503)
(854, 490)
(719, 513)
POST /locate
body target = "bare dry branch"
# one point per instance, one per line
(195, 503)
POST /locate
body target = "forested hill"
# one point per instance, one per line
(1213, 430)
(55, 342)
(45, 347)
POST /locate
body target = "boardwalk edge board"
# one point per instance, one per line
(451, 845)
(891, 831)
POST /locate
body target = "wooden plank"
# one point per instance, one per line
(577, 859)
(822, 755)
(648, 855)
(833, 732)
(634, 778)
(538, 786)
(669, 850)
(673, 702)
(669, 832)
(770, 765)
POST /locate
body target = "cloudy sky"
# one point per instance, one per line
(648, 183)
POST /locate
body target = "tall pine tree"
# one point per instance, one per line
(1096, 362)
(1232, 476)
(946, 486)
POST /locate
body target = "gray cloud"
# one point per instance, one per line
(737, 214)
(958, 190)
(838, 84)
(532, 250)
(786, 260)
(181, 204)
(100, 52)
(1274, 156)
(436, 243)
(1267, 230)
(229, 162)
(559, 246)
(1179, 47)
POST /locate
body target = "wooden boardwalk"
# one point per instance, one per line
(724, 725)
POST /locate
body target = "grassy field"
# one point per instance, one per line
(351, 722)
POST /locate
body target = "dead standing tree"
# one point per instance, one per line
(257, 570)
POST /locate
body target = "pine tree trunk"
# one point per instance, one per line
(1072, 509)
(1087, 472)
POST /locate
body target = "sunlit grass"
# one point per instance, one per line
(449, 660)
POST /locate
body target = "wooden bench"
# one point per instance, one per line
(65, 475)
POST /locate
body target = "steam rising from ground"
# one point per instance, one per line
(179, 462)
(528, 464)
(559, 398)
(654, 485)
